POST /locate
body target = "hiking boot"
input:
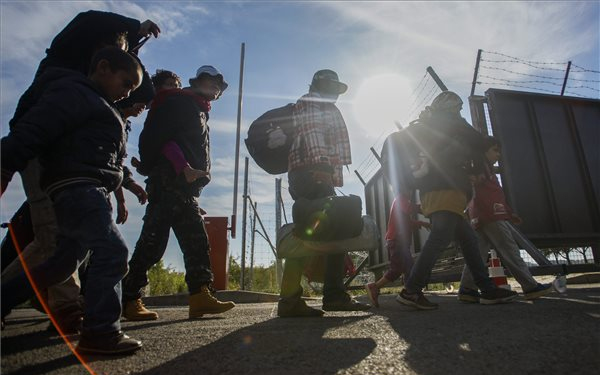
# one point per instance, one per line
(373, 293)
(135, 310)
(345, 304)
(497, 295)
(112, 343)
(204, 302)
(296, 308)
(468, 295)
(417, 300)
(539, 291)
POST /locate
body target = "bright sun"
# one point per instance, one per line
(381, 100)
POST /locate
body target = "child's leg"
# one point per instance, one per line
(466, 281)
(85, 216)
(150, 247)
(467, 239)
(190, 231)
(502, 239)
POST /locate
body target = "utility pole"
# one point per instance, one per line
(564, 86)
(278, 206)
(476, 72)
(244, 214)
(237, 142)
(251, 280)
(437, 79)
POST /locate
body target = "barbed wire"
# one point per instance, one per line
(544, 79)
(582, 69)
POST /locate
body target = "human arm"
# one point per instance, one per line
(122, 212)
(173, 153)
(130, 184)
(60, 109)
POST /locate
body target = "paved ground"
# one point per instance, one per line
(558, 334)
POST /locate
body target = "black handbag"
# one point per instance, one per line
(327, 219)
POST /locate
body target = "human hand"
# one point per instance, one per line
(192, 174)
(276, 138)
(148, 27)
(122, 212)
(516, 220)
(138, 191)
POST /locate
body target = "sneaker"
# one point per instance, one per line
(497, 295)
(539, 291)
(468, 295)
(135, 310)
(373, 293)
(417, 300)
(345, 304)
(112, 343)
(296, 308)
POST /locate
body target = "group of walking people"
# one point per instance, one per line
(68, 141)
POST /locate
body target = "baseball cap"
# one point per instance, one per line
(213, 72)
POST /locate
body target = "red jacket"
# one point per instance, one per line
(488, 203)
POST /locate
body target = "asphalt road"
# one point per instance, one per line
(558, 334)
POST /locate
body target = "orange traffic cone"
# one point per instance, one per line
(496, 271)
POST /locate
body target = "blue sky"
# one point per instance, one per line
(380, 49)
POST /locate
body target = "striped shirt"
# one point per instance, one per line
(321, 137)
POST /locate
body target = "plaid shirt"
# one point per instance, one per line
(321, 137)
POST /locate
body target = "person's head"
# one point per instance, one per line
(447, 101)
(115, 72)
(492, 149)
(165, 80)
(327, 84)
(112, 40)
(208, 82)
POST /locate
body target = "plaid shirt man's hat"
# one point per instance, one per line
(327, 81)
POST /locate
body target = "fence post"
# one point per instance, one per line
(562, 91)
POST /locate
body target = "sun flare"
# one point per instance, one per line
(380, 101)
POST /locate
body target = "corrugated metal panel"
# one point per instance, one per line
(551, 163)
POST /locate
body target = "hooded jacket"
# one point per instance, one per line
(77, 134)
(453, 148)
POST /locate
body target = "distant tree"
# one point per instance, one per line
(165, 280)
(582, 251)
(235, 272)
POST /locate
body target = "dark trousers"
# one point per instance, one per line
(302, 185)
(86, 226)
(170, 210)
(445, 227)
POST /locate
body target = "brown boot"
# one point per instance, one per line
(204, 302)
(135, 310)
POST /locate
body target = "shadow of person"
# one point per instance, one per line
(550, 335)
(276, 346)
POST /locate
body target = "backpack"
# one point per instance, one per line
(327, 219)
(402, 161)
(270, 138)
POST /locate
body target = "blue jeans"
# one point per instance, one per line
(445, 227)
(84, 215)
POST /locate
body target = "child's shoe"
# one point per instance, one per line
(468, 295)
(112, 343)
(135, 310)
(204, 302)
(539, 291)
(373, 293)
(497, 295)
(416, 300)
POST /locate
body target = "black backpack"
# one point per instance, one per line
(271, 160)
(328, 219)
